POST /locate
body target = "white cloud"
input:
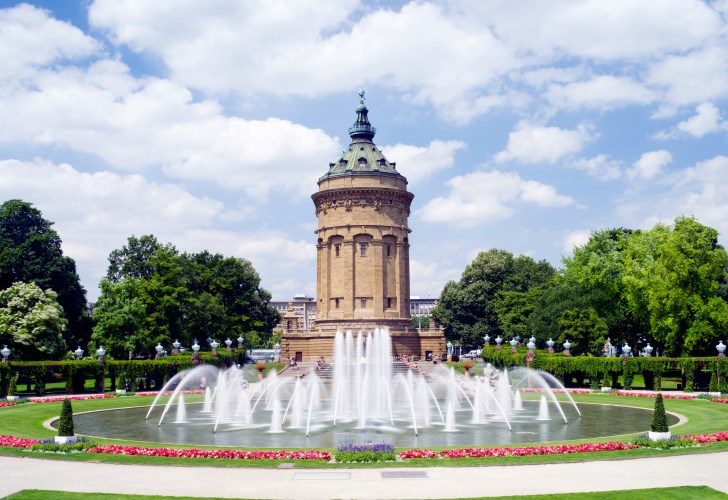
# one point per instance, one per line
(695, 77)
(417, 163)
(706, 121)
(597, 29)
(95, 213)
(481, 197)
(535, 143)
(600, 166)
(306, 49)
(574, 240)
(601, 92)
(649, 165)
(29, 38)
(430, 277)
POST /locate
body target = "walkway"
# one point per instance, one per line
(437, 482)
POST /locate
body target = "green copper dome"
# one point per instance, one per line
(362, 157)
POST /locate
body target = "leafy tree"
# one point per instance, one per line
(598, 268)
(586, 331)
(31, 321)
(154, 294)
(671, 280)
(120, 314)
(30, 252)
(495, 291)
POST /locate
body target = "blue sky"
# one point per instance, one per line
(522, 126)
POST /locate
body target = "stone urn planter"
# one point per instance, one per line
(65, 439)
(121, 391)
(659, 436)
(12, 398)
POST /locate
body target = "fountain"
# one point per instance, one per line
(367, 398)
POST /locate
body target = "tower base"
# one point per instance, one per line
(308, 346)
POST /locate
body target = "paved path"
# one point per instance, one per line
(439, 482)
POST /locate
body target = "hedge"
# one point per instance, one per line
(602, 369)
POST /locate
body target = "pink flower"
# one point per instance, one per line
(7, 403)
(522, 451)
(17, 442)
(226, 454)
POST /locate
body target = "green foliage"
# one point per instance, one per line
(494, 296)
(659, 417)
(586, 331)
(13, 386)
(31, 321)
(30, 252)
(365, 453)
(82, 444)
(671, 282)
(644, 441)
(154, 294)
(65, 423)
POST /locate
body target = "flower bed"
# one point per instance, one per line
(59, 399)
(570, 391)
(719, 400)
(709, 438)
(518, 451)
(7, 403)
(652, 395)
(227, 454)
(17, 442)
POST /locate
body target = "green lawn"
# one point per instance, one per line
(702, 417)
(679, 493)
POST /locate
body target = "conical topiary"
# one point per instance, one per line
(65, 424)
(13, 386)
(659, 418)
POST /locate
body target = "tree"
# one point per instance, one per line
(598, 269)
(120, 315)
(154, 294)
(671, 281)
(586, 331)
(494, 292)
(31, 320)
(30, 252)
(65, 422)
(659, 417)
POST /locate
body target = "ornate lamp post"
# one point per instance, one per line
(277, 351)
(78, 353)
(175, 347)
(487, 340)
(721, 349)
(196, 353)
(240, 342)
(550, 343)
(567, 346)
(214, 345)
(228, 343)
(100, 352)
(449, 350)
(159, 350)
(6, 353)
(498, 341)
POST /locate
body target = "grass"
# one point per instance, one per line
(27, 421)
(676, 493)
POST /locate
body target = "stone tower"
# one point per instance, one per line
(363, 278)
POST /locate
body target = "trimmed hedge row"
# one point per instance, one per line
(74, 373)
(605, 371)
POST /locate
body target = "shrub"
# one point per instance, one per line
(365, 453)
(13, 386)
(714, 386)
(65, 424)
(644, 441)
(51, 447)
(659, 418)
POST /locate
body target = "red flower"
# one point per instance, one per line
(17, 442)
(227, 454)
(522, 451)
